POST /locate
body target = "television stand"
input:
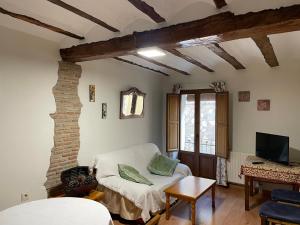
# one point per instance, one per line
(268, 172)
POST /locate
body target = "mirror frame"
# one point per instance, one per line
(136, 92)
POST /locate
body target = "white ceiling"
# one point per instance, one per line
(125, 17)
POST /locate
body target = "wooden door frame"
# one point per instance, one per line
(197, 93)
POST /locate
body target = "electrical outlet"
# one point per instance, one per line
(24, 197)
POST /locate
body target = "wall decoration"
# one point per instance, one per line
(218, 86)
(92, 90)
(104, 110)
(244, 96)
(132, 104)
(263, 105)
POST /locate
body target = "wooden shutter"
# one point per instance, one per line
(222, 129)
(173, 108)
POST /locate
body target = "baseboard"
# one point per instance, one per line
(236, 184)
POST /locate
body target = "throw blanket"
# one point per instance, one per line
(147, 198)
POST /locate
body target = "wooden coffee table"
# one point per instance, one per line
(190, 189)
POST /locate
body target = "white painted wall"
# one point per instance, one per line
(28, 71)
(102, 135)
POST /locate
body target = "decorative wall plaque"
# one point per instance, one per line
(92, 90)
(244, 96)
(263, 105)
(104, 110)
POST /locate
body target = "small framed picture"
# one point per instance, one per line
(104, 110)
(263, 105)
(92, 90)
(244, 96)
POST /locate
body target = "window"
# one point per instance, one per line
(197, 125)
(208, 123)
(187, 126)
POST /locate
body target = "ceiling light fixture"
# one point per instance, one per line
(151, 52)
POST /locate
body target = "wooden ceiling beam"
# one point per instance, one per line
(136, 64)
(83, 14)
(266, 48)
(214, 29)
(189, 59)
(161, 64)
(148, 10)
(218, 50)
(40, 24)
(220, 3)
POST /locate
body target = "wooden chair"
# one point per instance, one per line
(93, 195)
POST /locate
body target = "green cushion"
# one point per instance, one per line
(131, 174)
(162, 165)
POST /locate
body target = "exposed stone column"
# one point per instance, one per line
(66, 127)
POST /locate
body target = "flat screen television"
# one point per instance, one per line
(272, 147)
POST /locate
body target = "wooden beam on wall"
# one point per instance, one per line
(189, 59)
(266, 48)
(83, 14)
(213, 29)
(220, 3)
(161, 64)
(148, 10)
(218, 50)
(136, 64)
(40, 24)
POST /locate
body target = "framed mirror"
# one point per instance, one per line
(132, 104)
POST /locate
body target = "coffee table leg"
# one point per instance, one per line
(193, 206)
(213, 193)
(167, 206)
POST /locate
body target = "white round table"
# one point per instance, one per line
(57, 211)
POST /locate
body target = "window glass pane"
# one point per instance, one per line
(208, 123)
(187, 126)
(127, 104)
(139, 105)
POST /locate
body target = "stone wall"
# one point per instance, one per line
(66, 127)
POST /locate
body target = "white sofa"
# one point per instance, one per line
(149, 199)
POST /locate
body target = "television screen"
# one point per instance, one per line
(272, 147)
